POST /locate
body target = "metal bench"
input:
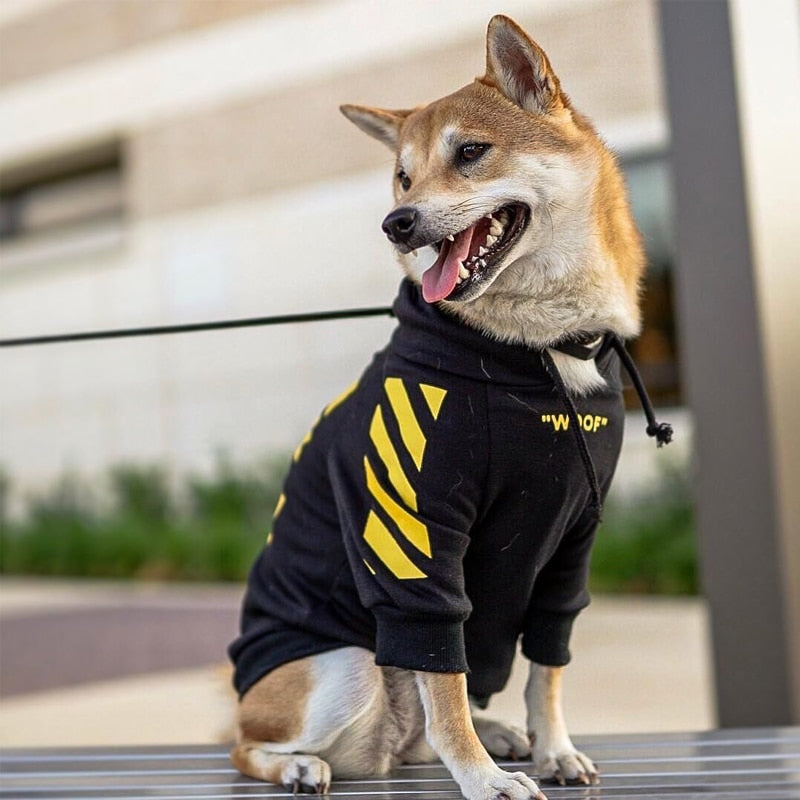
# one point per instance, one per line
(757, 764)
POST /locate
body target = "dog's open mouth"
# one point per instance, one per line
(472, 255)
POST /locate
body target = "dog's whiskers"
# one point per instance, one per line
(472, 203)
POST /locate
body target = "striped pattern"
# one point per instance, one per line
(410, 527)
(337, 401)
(385, 546)
(385, 449)
(300, 447)
(758, 764)
(434, 397)
(401, 511)
(410, 430)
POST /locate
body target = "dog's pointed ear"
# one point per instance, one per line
(379, 123)
(519, 68)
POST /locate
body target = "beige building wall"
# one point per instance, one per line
(245, 193)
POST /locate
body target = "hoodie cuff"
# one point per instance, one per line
(546, 638)
(420, 644)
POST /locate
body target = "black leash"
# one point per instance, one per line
(192, 327)
(662, 431)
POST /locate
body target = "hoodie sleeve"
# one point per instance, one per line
(407, 496)
(559, 596)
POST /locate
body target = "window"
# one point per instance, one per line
(62, 206)
(655, 350)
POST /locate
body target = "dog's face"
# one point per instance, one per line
(480, 173)
(520, 211)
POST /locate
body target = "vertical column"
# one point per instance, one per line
(766, 51)
(745, 519)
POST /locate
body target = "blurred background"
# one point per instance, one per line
(168, 161)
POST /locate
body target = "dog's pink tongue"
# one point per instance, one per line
(440, 279)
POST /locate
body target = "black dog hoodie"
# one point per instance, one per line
(438, 511)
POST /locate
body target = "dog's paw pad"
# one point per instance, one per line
(502, 741)
(568, 767)
(515, 786)
(306, 775)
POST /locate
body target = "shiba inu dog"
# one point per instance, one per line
(443, 508)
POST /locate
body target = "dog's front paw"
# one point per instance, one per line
(306, 774)
(516, 786)
(564, 765)
(501, 785)
(501, 740)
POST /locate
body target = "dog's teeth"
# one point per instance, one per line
(450, 237)
(459, 281)
(489, 217)
(490, 240)
(495, 229)
(463, 272)
(482, 262)
(482, 251)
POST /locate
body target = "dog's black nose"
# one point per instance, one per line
(400, 224)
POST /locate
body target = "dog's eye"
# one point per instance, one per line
(471, 152)
(405, 181)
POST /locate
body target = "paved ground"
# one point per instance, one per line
(84, 663)
(65, 648)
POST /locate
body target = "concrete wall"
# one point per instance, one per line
(245, 193)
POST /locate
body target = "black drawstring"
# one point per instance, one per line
(574, 423)
(662, 431)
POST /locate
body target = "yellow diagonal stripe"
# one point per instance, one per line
(298, 452)
(388, 551)
(279, 505)
(383, 444)
(410, 431)
(413, 530)
(434, 396)
(327, 410)
(340, 399)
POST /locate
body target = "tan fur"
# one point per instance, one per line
(575, 267)
(578, 266)
(358, 718)
(285, 691)
(453, 736)
(553, 752)
(449, 721)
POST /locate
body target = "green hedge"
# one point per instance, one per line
(647, 543)
(138, 524)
